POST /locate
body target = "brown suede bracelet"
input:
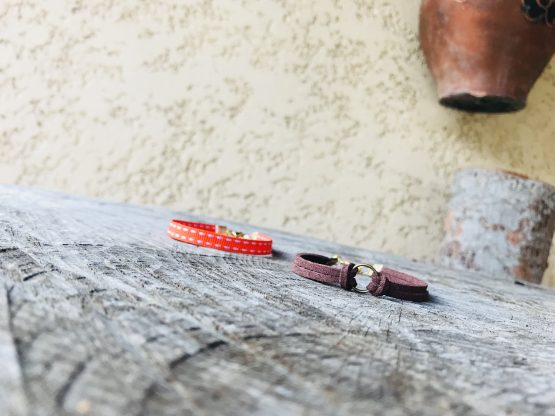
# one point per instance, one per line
(386, 282)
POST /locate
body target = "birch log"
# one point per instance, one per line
(102, 314)
(499, 223)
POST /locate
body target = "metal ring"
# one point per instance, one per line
(356, 267)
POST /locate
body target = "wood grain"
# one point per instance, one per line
(102, 314)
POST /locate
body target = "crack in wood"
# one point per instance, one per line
(6, 249)
(262, 336)
(71, 379)
(15, 342)
(32, 275)
(185, 357)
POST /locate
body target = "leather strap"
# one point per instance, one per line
(319, 268)
(205, 235)
(387, 282)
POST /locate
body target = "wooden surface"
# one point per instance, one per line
(102, 314)
(499, 223)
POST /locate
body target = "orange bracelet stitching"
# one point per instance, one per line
(205, 235)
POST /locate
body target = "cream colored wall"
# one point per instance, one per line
(315, 116)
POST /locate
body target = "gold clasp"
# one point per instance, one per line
(365, 269)
(374, 268)
(337, 259)
(222, 229)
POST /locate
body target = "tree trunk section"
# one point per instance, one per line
(499, 223)
(102, 314)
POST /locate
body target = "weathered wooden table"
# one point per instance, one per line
(102, 314)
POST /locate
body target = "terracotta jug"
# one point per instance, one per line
(486, 55)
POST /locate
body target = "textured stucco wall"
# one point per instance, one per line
(315, 116)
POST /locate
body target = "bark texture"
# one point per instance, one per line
(499, 223)
(102, 314)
